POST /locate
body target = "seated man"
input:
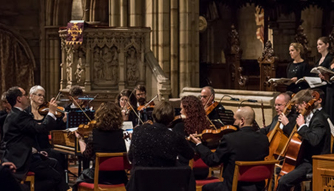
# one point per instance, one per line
(7, 180)
(244, 145)
(313, 128)
(212, 108)
(286, 122)
(75, 92)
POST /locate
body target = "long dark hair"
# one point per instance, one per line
(195, 120)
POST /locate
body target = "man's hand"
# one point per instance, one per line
(44, 153)
(194, 139)
(300, 120)
(283, 119)
(11, 166)
(52, 106)
(65, 117)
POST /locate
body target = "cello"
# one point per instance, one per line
(277, 139)
(292, 149)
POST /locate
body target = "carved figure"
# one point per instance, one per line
(132, 65)
(98, 65)
(80, 72)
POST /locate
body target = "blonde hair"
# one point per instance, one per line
(298, 47)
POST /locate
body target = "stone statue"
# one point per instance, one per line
(132, 69)
(98, 65)
(80, 72)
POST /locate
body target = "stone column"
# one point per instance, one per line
(151, 20)
(163, 41)
(174, 51)
(87, 66)
(135, 13)
(114, 13)
(63, 61)
(124, 13)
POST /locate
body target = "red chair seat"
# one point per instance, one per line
(91, 185)
(30, 174)
(207, 181)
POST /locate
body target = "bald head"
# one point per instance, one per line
(244, 116)
(280, 102)
(207, 95)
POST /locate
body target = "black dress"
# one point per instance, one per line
(298, 70)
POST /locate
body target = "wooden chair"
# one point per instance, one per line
(107, 162)
(198, 163)
(253, 171)
(31, 179)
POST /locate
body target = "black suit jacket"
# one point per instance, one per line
(20, 130)
(243, 145)
(316, 137)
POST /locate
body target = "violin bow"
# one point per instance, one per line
(148, 103)
(76, 103)
(207, 101)
(262, 109)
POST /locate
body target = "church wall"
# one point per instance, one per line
(251, 46)
(23, 18)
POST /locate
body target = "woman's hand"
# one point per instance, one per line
(294, 79)
(65, 117)
(52, 106)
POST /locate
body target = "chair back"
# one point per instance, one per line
(197, 163)
(253, 171)
(113, 162)
(162, 179)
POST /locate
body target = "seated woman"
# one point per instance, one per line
(192, 120)
(297, 69)
(124, 100)
(107, 136)
(156, 145)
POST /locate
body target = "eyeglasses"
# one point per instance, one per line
(39, 95)
(279, 105)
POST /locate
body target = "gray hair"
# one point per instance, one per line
(34, 89)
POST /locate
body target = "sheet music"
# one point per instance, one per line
(286, 81)
(312, 81)
(72, 129)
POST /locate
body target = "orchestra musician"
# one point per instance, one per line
(210, 105)
(298, 68)
(107, 136)
(123, 100)
(140, 92)
(3, 113)
(286, 122)
(7, 180)
(75, 92)
(314, 131)
(244, 145)
(37, 95)
(156, 145)
(145, 113)
(192, 120)
(20, 130)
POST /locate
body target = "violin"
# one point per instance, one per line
(149, 104)
(85, 129)
(212, 137)
(44, 110)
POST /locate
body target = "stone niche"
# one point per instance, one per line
(108, 61)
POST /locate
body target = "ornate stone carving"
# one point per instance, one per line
(267, 53)
(132, 65)
(234, 42)
(301, 38)
(80, 71)
(267, 66)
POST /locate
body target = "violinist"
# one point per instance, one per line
(75, 92)
(286, 122)
(42, 145)
(144, 108)
(244, 145)
(140, 92)
(20, 130)
(211, 107)
(192, 120)
(314, 131)
(123, 100)
(107, 136)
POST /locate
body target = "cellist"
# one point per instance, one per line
(286, 122)
(315, 134)
(211, 107)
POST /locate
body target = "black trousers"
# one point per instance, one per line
(49, 175)
(294, 177)
(8, 182)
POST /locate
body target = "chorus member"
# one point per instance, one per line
(314, 130)
(211, 107)
(107, 136)
(329, 100)
(244, 145)
(75, 92)
(323, 46)
(20, 130)
(37, 99)
(298, 68)
(124, 100)
(286, 122)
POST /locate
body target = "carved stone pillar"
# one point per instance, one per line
(164, 37)
(124, 13)
(174, 51)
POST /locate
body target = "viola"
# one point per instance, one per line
(148, 105)
(85, 129)
(44, 110)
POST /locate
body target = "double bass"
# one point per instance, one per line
(292, 150)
